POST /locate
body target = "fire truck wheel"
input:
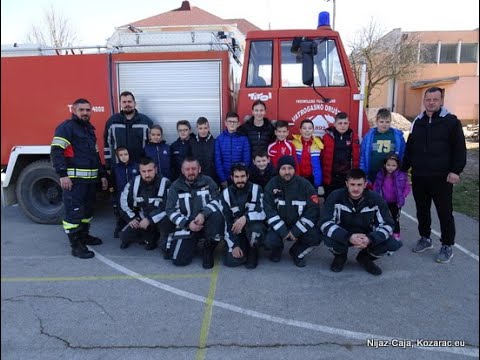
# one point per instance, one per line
(39, 193)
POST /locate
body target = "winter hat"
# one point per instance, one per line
(285, 160)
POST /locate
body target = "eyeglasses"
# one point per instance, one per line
(232, 122)
(183, 130)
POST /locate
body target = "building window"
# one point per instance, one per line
(428, 53)
(448, 53)
(468, 53)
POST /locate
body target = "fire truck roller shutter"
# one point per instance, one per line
(39, 193)
(168, 91)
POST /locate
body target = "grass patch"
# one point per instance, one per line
(465, 197)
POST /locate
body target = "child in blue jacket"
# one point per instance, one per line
(159, 151)
(122, 173)
(379, 142)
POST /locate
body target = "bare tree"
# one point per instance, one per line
(391, 56)
(54, 30)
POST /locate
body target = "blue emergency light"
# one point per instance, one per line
(323, 19)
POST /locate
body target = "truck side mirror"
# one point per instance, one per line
(308, 49)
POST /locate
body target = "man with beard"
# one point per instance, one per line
(75, 158)
(128, 129)
(291, 206)
(143, 205)
(358, 217)
(244, 215)
(193, 206)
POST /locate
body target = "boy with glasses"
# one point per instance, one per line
(230, 148)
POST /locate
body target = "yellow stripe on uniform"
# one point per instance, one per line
(61, 142)
(69, 226)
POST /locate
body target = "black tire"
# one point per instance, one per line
(39, 193)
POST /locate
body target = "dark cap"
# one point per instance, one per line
(286, 160)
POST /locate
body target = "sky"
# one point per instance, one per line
(95, 20)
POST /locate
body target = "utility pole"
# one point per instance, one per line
(334, 11)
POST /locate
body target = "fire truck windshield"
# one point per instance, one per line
(327, 69)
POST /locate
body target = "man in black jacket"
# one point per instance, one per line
(244, 217)
(358, 217)
(128, 128)
(143, 205)
(74, 155)
(292, 210)
(436, 152)
(193, 205)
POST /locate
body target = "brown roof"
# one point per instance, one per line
(191, 15)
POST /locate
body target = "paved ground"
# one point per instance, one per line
(132, 304)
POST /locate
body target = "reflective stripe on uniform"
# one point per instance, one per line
(69, 226)
(60, 142)
(82, 173)
(87, 221)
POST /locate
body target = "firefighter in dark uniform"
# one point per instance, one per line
(128, 128)
(357, 217)
(143, 206)
(74, 154)
(244, 217)
(291, 206)
(193, 205)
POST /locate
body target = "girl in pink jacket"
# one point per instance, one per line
(393, 185)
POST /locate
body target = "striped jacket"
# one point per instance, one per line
(291, 206)
(239, 202)
(341, 217)
(185, 201)
(280, 148)
(145, 200)
(315, 150)
(132, 134)
(74, 151)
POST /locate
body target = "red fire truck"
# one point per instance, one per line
(299, 74)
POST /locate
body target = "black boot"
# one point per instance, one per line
(79, 249)
(298, 261)
(167, 254)
(338, 261)
(208, 258)
(150, 245)
(276, 254)
(367, 262)
(89, 239)
(252, 257)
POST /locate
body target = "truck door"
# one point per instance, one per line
(297, 101)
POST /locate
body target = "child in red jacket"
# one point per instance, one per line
(281, 146)
(341, 153)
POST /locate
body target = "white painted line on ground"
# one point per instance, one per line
(472, 352)
(461, 248)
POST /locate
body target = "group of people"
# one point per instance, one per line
(252, 186)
